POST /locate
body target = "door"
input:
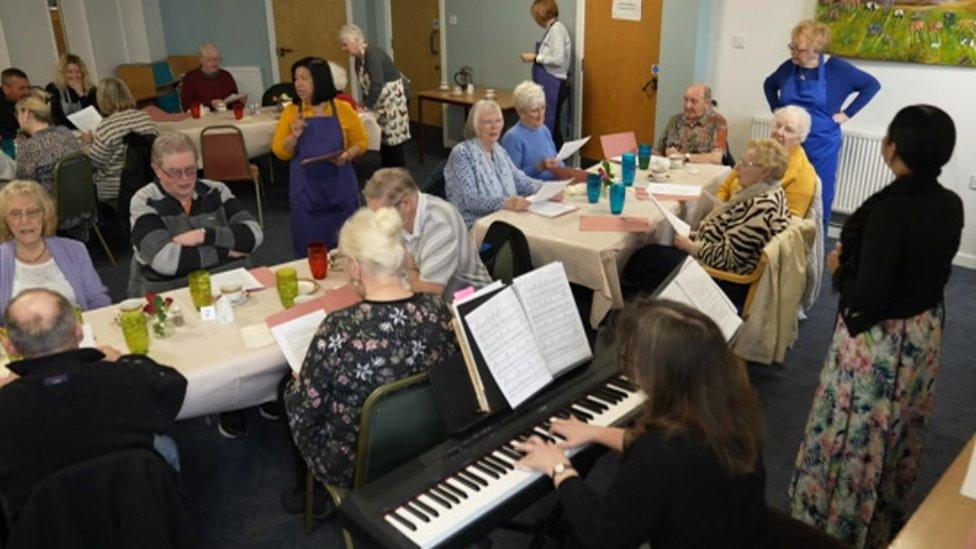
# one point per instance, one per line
(416, 48)
(619, 90)
(308, 27)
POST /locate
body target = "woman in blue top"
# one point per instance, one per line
(820, 85)
(529, 143)
(479, 177)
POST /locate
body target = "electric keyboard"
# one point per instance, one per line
(462, 489)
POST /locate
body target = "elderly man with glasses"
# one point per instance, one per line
(209, 84)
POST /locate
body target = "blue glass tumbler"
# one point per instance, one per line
(628, 167)
(617, 194)
(593, 187)
(643, 156)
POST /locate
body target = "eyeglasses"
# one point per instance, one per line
(180, 173)
(32, 214)
(794, 49)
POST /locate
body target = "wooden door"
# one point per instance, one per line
(617, 61)
(308, 27)
(416, 48)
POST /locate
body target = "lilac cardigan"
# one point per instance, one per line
(72, 258)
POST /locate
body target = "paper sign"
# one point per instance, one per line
(569, 148)
(208, 313)
(86, 119)
(626, 10)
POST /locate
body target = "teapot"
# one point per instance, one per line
(464, 76)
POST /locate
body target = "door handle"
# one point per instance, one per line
(652, 83)
(282, 51)
(435, 42)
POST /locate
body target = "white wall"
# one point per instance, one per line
(737, 76)
(154, 29)
(29, 38)
(4, 54)
(109, 43)
(74, 18)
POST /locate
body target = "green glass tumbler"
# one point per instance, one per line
(134, 329)
(287, 282)
(200, 292)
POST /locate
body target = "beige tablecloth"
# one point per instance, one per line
(222, 372)
(594, 259)
(258, 129)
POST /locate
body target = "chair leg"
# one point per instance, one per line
(259, 193)
(101, 239)
(309, 502)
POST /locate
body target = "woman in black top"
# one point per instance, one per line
(692, 472)
(858, 462)
(71, 90)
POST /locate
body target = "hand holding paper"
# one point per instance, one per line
(548, 190)
(86, 119)
(676, 222)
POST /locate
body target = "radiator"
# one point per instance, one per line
(249, 81)
(861, 171)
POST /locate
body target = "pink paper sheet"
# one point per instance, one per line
(331, 301)
(265, 276)
(616, 144)
(614, 224)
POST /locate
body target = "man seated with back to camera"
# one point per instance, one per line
(63, 404)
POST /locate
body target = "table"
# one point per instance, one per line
(946, 517)
(258, 129)
(502, 97)
(222, 373)
(594, 259)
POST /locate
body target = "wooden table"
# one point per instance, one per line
(223, 373)
(595, 259)
(502, 97)
(946, 518)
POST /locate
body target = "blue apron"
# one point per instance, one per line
(550, 87)
(321, 195)
(823, 144)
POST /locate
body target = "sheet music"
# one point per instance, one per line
(506, 341)
(569, 148)
(693, 287)
(86, 119)
(295, 336)
(676, 222)
(552, 314)
(548, 190)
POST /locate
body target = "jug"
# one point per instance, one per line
(464, 77)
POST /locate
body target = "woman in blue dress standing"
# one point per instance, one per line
(321, 137)
(821, 85)
(551, 62)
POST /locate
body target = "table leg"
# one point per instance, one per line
(420, 116)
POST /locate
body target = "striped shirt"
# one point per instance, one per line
(440, 246)
(107, 150)
(733, 239)
(157, 217)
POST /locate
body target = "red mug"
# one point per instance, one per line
(318, 259)
(238, 111)
(195, 110)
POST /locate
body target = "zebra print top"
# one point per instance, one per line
(733, 237)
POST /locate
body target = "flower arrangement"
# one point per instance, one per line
(159, 309)
(606, 175)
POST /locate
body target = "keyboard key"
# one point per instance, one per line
(397, 517)
(474, 476)
(437, 498)
(471, 485)
(416, 512)
(445, 494)
(427, 508)
(490, 472)
(447, 485)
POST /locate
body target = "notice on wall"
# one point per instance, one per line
(626, 10)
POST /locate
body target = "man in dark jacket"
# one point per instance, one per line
(63, 404)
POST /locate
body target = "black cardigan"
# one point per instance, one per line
(897, 251)
(670, 492)
(57, 109)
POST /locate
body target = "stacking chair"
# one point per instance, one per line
(505, 252)
(74, 194)
(403, 406)
(271, 95)
(224, 157)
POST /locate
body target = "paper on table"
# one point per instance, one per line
(504, 337)
(548, 208)
(569, 148)
(549, 189)
(613, 224)
(672, 191)
(236, 276)
(969, 483)
(295, 336)
(693, 287)
(552, 313)
(676, 222)
(256, 336)
(242, 97)
(86, 119)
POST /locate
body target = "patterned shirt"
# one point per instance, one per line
(38, 155)
(732, 239)
(700, 135)
(478, 182)
(355, 351)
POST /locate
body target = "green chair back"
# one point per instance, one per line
(74, 192)
(399, 421)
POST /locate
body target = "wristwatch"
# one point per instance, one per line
(559, 469)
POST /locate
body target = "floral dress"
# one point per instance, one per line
(355, 351)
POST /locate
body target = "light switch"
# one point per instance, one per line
(972, 182)
(739, 41)
(452, 19)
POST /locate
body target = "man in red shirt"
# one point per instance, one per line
(208, 85)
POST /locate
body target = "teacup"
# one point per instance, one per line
(232, 291)
(220, 107)
(660, 177)
(677, 161)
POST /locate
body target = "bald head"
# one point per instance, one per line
(697, 101)
(41, 322)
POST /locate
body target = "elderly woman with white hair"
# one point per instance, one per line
(479, 177)
(385, 90)
(529, 143)
(791, 126)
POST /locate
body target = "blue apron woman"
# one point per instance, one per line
(821, 86)
(320, 139)
(551, 62)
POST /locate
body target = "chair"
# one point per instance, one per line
(403, 406)
(786, 531)
(270, 96)
(751, 279)
(434, 185)
(127, 498)
(74, 194)
(136, 173)
(505, 252)
(225, 158)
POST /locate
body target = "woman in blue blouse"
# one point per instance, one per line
(529, 143)
(479, 177)
(820, 85)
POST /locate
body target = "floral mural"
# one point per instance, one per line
(935, 32)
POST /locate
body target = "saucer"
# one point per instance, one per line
(307, 286)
